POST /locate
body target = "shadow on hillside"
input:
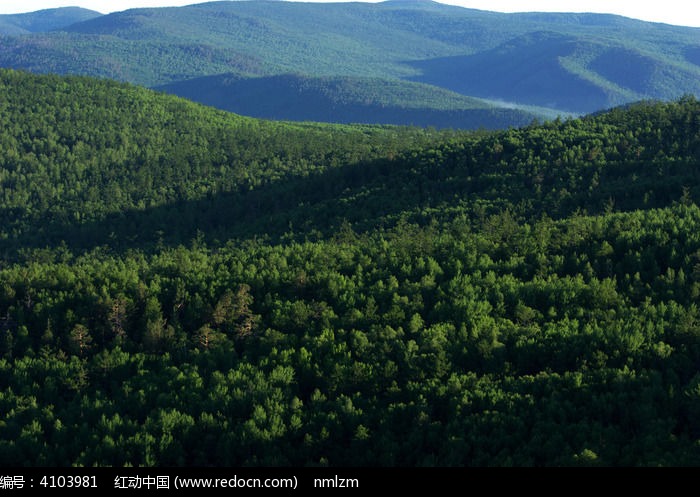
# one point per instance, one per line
(371, 194)
(692, 55)
(527, 70)
(296, 98)
(364, 194)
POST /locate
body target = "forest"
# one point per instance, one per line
(181, 286)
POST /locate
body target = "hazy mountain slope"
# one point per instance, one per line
(329, 39)
(44, 20)
(525, 69)
(575, 62)
(563, 72)
(347, 100)
(184, 287)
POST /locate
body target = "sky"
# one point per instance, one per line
(679, 12)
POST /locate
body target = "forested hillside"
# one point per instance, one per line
(182, 286)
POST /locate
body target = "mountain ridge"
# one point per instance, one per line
(44, 20)
(575, 63)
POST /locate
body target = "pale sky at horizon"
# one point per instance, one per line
(679, 12)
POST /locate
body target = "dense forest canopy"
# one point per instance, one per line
(182, 286)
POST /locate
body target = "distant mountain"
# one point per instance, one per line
(575, 63)
(562, 71)
(44, 20)
(347, 100)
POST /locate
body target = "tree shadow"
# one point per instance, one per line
(364, 194)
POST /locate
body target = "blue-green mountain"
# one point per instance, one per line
(345, 99)
(44, 20)
(571, 63)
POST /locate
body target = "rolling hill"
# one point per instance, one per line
(573, 63)
(185, 287)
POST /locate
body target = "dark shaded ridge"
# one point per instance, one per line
(347, 101)
(593, 165)
(627, 68)
(527, 70)
(693, 55)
